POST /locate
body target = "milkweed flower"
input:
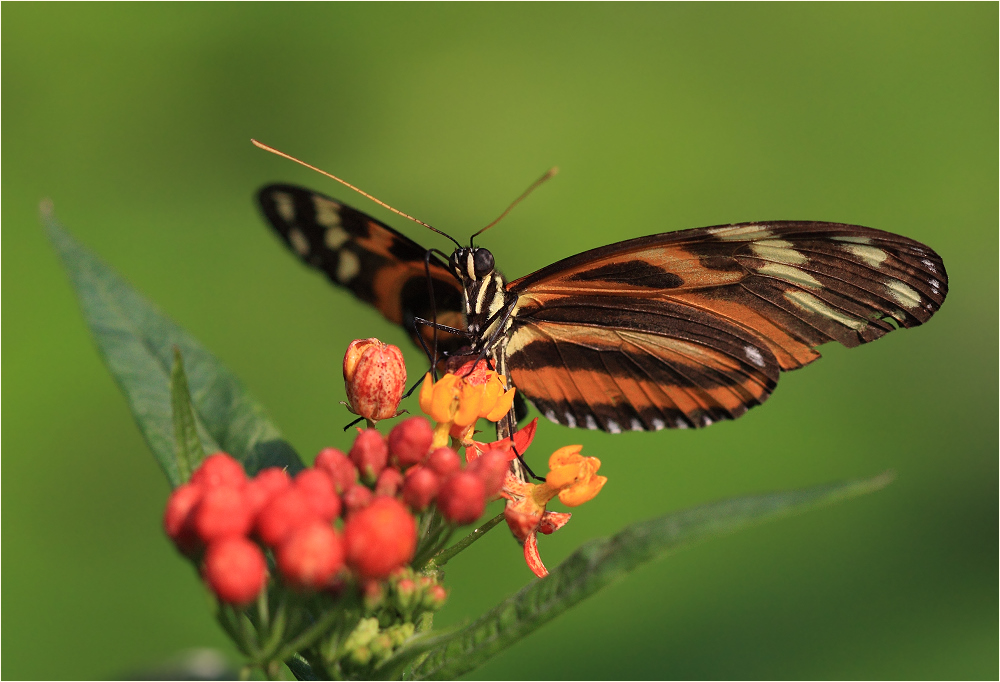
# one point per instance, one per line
(572, 478)
(461, 397)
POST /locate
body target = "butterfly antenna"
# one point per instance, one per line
(350, 186)
(548, 174)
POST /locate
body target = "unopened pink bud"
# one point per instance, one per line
(410, 441)
(370, 454)
(338, 467)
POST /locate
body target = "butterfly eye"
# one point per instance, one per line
(483, 262)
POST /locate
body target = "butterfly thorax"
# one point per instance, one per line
(485, 295)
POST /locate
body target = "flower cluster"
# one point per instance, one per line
(349, 517)
(342, 559)
(474, 391)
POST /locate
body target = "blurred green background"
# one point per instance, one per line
(136, 120)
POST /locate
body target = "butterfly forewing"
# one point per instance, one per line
(381, 266)
(686, 328)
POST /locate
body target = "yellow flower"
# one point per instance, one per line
(460, 398)
(572, 477)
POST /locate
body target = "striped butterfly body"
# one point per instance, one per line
(674, 330)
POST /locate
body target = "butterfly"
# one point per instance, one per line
(674, 330)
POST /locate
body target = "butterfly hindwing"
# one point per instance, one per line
(685, 328)
(379, 265)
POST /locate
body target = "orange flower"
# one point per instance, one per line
(460, 398)
(572, 478)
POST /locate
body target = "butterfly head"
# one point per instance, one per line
(472, 264)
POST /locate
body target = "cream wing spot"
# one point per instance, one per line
(853, 240)
(810, 303)
(327, 212)
(570, 420)
(658, 424)
(551, 416)
(904, 295)
(636, 425)
(348, 266)
(789, 273)
(590, 423)
(284, 205)
(872, 256)
(298, 241)
(613, 426)
(777, 250)
(335, 237)
(741, 233)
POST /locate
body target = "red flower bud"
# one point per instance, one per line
(406, 595)
(219, 469)
(491, 468)
(338, 467)
(318, 490)
(380, 538)
(265, 485)
(444, 462)
(370, 454)
(222, 512)
(435, 597)
(310, 556)
(390, 481)
(462, 498)
(177, 521)
(375, 377)
(356, 498)
(410, 441)
(235, 570)
(420, 487)
(286, 512)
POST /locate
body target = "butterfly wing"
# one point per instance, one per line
(379, 265)
(686, 328)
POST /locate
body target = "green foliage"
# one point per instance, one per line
(601, 562)
(145, 352)
(188, 449)
(138, 344)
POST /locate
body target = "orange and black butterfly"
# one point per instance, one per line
(674, 330)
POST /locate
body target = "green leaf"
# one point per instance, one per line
(599, 563)
(137, 343)
(188, 448)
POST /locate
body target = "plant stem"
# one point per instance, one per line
(310, 635)
(442, 557)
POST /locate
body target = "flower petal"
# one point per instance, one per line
(568, 454)
(502, 406)
(533, 559)
(576, 495)
(553, 521)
